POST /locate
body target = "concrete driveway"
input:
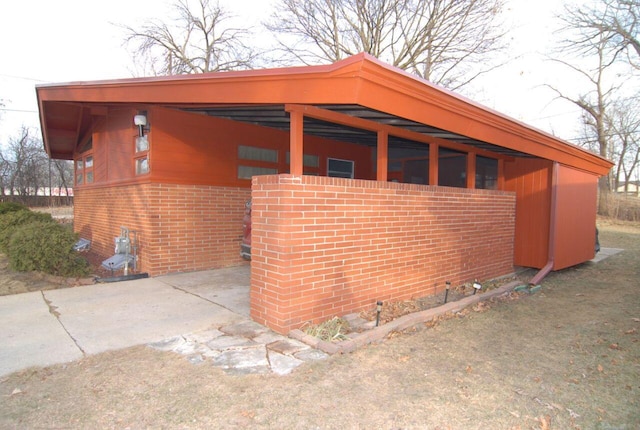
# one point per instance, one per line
(58, 326)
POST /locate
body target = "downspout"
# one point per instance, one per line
(552, 229)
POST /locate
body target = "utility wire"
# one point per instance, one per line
(18, 110)
(21, 77)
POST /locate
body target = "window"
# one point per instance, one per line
(246, 172)
(142, 165)
(84, 165)
(142, 144)
(486, 173)
(141, 157)
(310, 162)
(257, 154)
(340, 168)
(452, 168)
(256, 161)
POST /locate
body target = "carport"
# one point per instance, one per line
(367, 183)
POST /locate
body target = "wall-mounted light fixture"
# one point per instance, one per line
(140, 120)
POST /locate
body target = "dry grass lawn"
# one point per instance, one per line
(567, 357)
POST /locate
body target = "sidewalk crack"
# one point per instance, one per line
(53, 310)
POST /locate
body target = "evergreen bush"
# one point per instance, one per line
(6, 207)
(11, 221)
(47, 247)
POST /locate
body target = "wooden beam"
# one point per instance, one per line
(365, 124)
(471, 170)
(434, 154)
(296, 139)
(383, 156)
(500, 184)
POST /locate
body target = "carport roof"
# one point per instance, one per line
(359, 87)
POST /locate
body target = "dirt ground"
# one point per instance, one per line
(566, 357)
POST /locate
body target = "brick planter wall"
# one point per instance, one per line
(324, 247)
(181, 228)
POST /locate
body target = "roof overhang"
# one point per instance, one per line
(360, 87)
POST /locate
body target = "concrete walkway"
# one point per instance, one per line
(204, 315)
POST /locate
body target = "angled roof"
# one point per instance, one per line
(360, 87)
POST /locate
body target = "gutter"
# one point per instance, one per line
(552, 229)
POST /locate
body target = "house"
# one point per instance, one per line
(367, 183)
(629, 188)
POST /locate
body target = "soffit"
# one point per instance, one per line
(275, 116)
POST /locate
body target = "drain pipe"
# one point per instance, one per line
(552, 230)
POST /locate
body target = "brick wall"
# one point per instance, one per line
(180, 227)
(324, 247)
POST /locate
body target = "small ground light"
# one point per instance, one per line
(446, 291)
(378, 310)
(476, 286)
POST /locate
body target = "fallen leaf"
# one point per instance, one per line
(614, 346)
(469, 369)
(15, 392)
(636, 319)
(248, 414)
(600, 368)
(545, 422)
(572, 414)
(403, 359)
(632, 331)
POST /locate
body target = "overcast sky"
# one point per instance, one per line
(46, 41)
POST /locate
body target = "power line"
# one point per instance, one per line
(22, 77)
(18, 110)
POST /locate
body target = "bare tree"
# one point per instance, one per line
(447, 42)
(625, 133)
(27, 164)
(616, 21)
(198, 40)
(592, 50)
(62, 177)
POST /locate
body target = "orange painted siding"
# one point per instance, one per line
(530, 179)
(190, 148)
(323, 247)
(576, 217)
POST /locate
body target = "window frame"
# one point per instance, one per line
(329, 171)
(84, 165)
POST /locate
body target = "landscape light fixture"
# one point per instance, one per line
(476, 286)
(446, 291)
(140, 120)
(378, 310)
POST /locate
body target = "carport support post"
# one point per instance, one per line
(383, 155)
(471, 170)
(434, 154)
(296, 137)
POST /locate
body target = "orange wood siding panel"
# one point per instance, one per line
(577, 194)
(120, 144)
(530, 179)
(188, 148)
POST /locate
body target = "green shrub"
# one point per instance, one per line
(11, 221)
(47, 247)
(6, 207)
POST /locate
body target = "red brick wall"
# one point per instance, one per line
(180, 227)
(324, 247)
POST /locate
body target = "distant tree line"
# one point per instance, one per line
(26, 171)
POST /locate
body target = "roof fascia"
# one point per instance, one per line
(421, 101)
